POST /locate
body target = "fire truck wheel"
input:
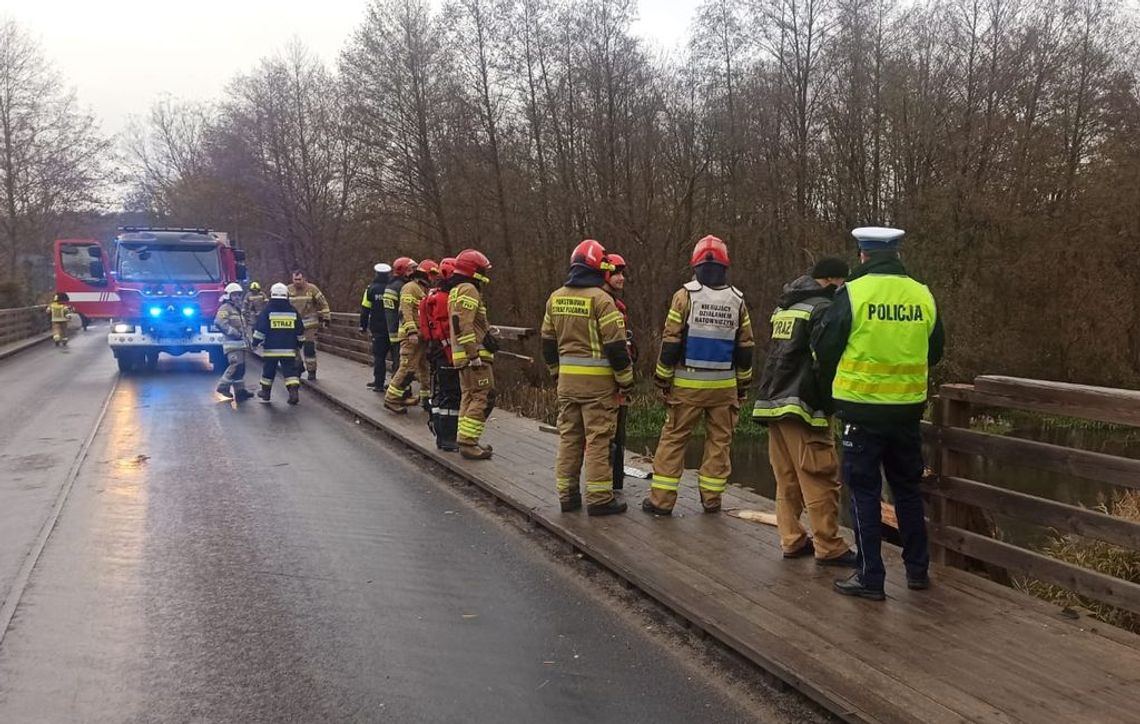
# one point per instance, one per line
(150, 359)
(126, 363)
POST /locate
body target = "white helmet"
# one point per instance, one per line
(382, 268)
(278, 291)
(232, 288)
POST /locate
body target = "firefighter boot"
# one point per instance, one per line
(224, 390)
(571, 502)
(263, 393)
(446, 431)
(659, 502)
(241, 394)
(396, 408)
(613, 507)
(294, 395)
(475, 452)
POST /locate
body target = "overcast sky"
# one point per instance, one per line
(121, 55)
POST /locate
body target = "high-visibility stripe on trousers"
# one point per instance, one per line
(476, 402)
(668, 462)
(585, 430)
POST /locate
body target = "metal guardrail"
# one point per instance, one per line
(22, 323)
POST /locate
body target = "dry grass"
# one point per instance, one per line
(1111, 560)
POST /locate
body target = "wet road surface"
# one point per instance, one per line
(251, 563)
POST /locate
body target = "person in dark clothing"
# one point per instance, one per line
(801, 448)
(874, 348)
(282, 331)
(374, 321)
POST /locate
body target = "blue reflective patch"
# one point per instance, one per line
(705, 349)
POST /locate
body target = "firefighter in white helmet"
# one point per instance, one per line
(232, 324)
(282, 332)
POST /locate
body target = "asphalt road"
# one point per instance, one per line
(215, 562)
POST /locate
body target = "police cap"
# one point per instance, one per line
(382, 268)
(878, 238)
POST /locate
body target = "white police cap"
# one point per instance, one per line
(382, 268)
(877, 238)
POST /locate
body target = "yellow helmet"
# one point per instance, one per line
(254, 287)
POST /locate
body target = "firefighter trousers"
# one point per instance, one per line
(289, 371)
(681, 419)
(445, 401)
(308, 351)
(59, 332)
(235, 369)
(806, 468)
(413, 365)
(585, 430)
(476, 402)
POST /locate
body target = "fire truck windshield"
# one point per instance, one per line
(186, 263)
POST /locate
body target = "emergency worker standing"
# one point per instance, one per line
(472, 350)
(704, 370)
(615, 285)
(374, 322)
(584, 347)
(252, 305)
(790, 401)
(282, 331)
(311, 304)
(435, 329)
(231, 322)
(60, 312)
(402, 269)
(878, 341)
(413, 350)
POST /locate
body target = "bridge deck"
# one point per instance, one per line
(968, 649)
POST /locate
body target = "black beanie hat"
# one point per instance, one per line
(830, 266)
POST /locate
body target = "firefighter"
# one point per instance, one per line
(254, 302)
(402, 269)
(704, 369)
(374, 322)
(472, 350)
(60, 312)
(615, 285)
(435, 329)
(231, 322)
(311, 304)
(413, 350)
(801, 447)
(584, 346)
(878, 341)
(281, 329)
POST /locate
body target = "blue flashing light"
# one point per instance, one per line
(188, 311)
(155, 311)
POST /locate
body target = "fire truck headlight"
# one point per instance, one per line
(121, 328)
(189, 311)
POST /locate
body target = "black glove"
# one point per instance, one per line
(490, 343)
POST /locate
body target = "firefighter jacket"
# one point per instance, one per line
(59, 312)
(280, 329)
(583, 339)
(435, 327)
(706, 347)
(372, 317)
(231, 323)
(392, 307)
(789, 383)
(252, 306)
(876, 344)
(468, 322)
(310, 304)
(621, 306)
(411, 295)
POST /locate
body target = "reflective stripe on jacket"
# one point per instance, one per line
(885, 361)
(583, 331)
(468, 323)
(280, 329)
(310, 303)
(714, 316)
(230, 321)
(411, 295)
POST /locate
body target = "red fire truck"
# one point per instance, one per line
(158, 287)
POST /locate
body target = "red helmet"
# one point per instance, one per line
(403, 266)
(473, 264)
(591, 254)
(617, 265)
(710, 250)
(447, 266)
(429, 268)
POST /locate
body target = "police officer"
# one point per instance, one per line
(402, 269)
(374, 322)
(435, 329)
(472, 350)
(878, 341)
(231, 322)
(584, 347)
(704, 369)
(413, 349)
(789, 401)
(314, 311)
(282, 331)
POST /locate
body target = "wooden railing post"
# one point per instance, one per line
(948, 463)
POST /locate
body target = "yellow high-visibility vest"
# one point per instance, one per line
(885, 361)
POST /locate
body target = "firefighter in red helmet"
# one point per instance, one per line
(413, 349)
(615, 285)
(402, 268)
(472, 350)
(704, 369)
(584, 347)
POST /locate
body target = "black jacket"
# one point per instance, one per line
(789, 383)
(372, 317)
(830, 341)
(392, 306)
(280, 329)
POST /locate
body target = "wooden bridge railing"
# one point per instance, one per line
(22, 323)
(344, 338)
(960, 506)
